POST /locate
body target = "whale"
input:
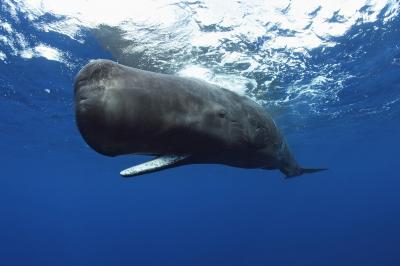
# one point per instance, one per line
(120, 110)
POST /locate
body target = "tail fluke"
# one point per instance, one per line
(312, 170)
(301, 171)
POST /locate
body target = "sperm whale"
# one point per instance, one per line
(122, 110)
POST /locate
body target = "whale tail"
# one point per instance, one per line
(301, 171)
(312, 170)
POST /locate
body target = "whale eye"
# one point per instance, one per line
(221, 113)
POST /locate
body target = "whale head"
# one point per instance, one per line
(94, 110)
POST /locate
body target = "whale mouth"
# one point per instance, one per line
(155, 165)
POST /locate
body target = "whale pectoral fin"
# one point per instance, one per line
(158, 164)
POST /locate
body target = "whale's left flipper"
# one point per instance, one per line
(158, 164)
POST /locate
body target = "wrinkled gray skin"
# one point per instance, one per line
(123, 110)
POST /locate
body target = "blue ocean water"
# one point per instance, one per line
(339, 105)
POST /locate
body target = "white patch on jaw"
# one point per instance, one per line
(153, 165)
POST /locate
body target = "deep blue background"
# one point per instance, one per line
(63, 204)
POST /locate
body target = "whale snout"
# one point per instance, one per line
(93, 73)
(90, 83)
(89, 92)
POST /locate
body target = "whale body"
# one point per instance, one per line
(122, 110)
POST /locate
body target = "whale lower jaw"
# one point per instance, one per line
(157, 164)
